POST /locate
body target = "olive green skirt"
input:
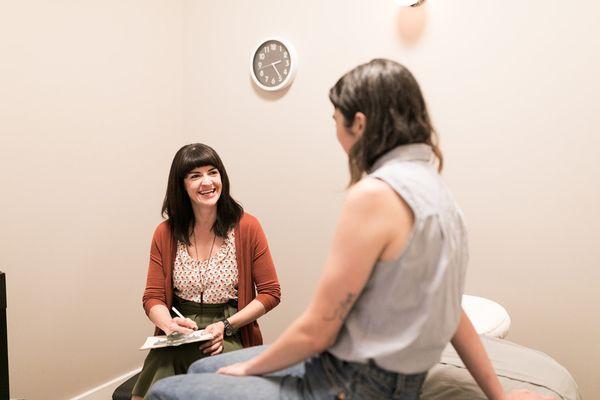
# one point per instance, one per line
(169, 361)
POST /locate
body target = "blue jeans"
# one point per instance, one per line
(321, 377)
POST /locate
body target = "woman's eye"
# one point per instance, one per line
(213, 172)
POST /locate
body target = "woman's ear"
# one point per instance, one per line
(359, 124)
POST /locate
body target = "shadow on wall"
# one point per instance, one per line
(411, 23)
(269, 96)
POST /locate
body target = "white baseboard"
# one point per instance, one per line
(105, 391)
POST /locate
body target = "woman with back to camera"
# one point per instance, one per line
(208, 259)
(389, 299)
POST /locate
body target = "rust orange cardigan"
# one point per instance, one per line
(256, 272)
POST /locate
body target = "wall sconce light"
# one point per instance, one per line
(410, 3)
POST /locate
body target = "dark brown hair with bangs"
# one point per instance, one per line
(177, 206)
(391, 99)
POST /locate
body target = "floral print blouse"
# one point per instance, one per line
(212, 281)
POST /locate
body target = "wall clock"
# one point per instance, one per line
(274, 63)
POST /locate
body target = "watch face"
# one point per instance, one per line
(272, 64)
(229, 330)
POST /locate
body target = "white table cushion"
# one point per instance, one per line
(488, 317)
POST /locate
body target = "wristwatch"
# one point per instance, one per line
(228, 328)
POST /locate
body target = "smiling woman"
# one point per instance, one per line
(211, 260)
(202, 184)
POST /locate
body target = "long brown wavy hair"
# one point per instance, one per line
(391, 99)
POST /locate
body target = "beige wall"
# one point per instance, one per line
(90, 114)
(97, 95)
(513, 91)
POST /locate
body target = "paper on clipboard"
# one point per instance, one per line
(158, 342)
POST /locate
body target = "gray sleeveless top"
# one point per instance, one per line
(410, 307)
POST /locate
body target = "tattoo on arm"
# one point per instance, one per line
(342, 309)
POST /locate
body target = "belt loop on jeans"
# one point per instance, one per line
(400, 385)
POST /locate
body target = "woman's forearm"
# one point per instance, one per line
(468, 345)
(296, 344)
(254, 310)
(160, 317)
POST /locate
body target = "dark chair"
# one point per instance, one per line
(4, 392)
(123, 392)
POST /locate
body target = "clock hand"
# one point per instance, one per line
(275, 68)
(270, 65)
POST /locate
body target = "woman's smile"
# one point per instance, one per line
(208, 193)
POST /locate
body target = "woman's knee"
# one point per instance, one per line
(213, 363)
(205, 365)
(163, 389)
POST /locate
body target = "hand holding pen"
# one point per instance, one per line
(180, 324)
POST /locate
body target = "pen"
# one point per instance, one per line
(180, 315)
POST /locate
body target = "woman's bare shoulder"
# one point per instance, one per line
(378, 201)
(372, 192)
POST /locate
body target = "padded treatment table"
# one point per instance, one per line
(517, 367)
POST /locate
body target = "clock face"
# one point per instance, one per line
(273, 65)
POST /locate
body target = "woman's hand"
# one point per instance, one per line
(180, 325)
(237, 369)
(214, 346)
(523, 394)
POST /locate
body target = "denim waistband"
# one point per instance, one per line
(328, 374)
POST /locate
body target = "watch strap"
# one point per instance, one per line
(228, 329)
